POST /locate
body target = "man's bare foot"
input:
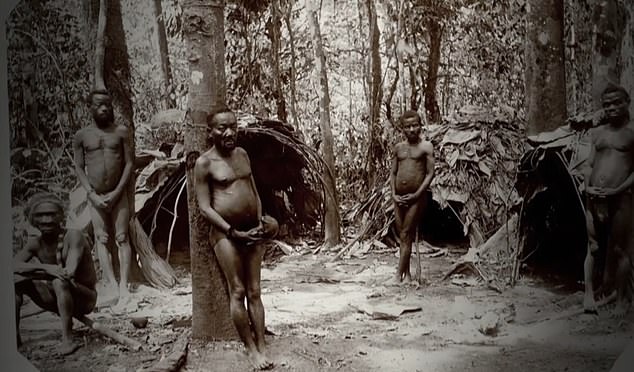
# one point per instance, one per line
(259, 360)
(68, 347)
(126, 304)
(589, 305)
(394, 281)
(620, 311)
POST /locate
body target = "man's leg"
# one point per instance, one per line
(64, 297)
(231, 265)
(121, 217)
(253, 264)
(589, 305)
(410, 224)
(399, 216)
(102, 237)
(621, 249)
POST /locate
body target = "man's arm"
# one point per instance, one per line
(21, 266)
(255, 189)
(429, 175)
(76, 245)
(589, 164)
(128, 161)
(201, 172)
(78, 150)
(393, 173)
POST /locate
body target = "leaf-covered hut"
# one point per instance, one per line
(286, 171)
(476, 152)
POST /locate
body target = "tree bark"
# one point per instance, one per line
(332, 220)
(433, 63)
(160, 44)
(545, 72)
(376, 95)
(627, 51)
(275, 35)
(293, 73)
(203, 30)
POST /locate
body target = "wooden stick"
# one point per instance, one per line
(419, 273)
(576, 311)
(124, 340)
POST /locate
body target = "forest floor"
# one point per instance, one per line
(340, 316)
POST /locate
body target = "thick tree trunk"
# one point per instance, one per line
(376, 96)
(433, 63)
(331, 224)
(203, 29)
(160, 44)
(545, 72)
(627, 51)
(275, 35)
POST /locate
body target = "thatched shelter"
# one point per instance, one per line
(472, 194)
(287, 173)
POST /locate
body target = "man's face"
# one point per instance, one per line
(225, 131)
(47, 218)
(615, 106)
(101, 108)
(411, 129)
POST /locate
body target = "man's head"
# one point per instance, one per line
(45, 212)
(100, 105)
(223, 127)
(411, 125)
(615, 102)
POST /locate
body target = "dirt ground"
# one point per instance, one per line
(341, 317)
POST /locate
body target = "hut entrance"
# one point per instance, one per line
(553, 222)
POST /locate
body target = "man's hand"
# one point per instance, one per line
(407, 199)
(97, 200)
(110, 199)
(58, 272)
(252, 235)
(601, 191)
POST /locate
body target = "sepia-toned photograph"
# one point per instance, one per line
(332, 185)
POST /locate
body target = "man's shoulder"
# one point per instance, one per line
(121, 129)
(426, 145)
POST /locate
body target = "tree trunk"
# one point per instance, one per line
(160, 44)
(293, 75)
(203, 30)
(275, 35)
(627, 51)
(545, 72)
(433, 63)
(376, 96)
(332, 221)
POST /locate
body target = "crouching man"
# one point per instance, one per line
(63, 280)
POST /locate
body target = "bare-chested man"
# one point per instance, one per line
(104, 162)
(63, 281)
(412, 172)
(228, 198)
(609, 200)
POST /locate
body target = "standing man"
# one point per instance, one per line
(63, 281)
(609, 216)
(412, 172)
(104, 162)
(229, 200)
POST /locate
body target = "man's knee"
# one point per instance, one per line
(121, 238)
(253, 293)
(60, 285)
(102, 238)
(238, 292)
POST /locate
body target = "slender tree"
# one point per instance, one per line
(332, 220)
(274, 27)
(203, 30)
(376, 95)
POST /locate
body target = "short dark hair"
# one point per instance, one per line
(409, 114)
(613, 88)
(41, 198)
(218, 109)
(96, 92)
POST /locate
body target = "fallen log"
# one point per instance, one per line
(576, 311)
(174, 361)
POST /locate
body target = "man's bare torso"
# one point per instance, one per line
(231, 189)
(411, 167)
(103, 156)
(614, 156)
